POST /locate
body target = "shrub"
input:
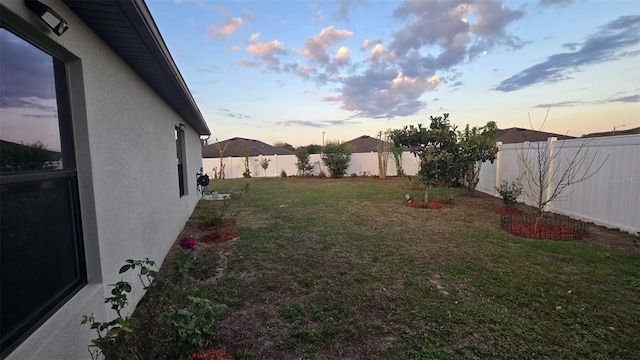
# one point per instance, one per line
(215, 212)
(264, 164)
(247, 171)
(336, 156)
(509, 192)
(304, 163)
(179, 321)
(283, 173)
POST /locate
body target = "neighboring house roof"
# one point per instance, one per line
(518, 135)
(234, 148)
(613, 133)
(364, 144)
(128, 28)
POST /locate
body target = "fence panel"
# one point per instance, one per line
(611, 197)
(361, 164)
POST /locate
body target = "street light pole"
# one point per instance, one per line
(324, 133)
(614, 128)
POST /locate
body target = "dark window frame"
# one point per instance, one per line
(58, 298)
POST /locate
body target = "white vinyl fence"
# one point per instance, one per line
(361, 164)
(611, 197)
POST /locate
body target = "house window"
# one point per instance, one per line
(41, 254)
(180, 150)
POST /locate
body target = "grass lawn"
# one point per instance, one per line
(342, 269)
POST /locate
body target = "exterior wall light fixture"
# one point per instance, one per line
(48, 16)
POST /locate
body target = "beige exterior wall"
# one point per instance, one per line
(127, 173)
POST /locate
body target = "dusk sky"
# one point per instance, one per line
(291, 70)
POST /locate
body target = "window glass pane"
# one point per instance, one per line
(41, 252)
(180, 159)
(29, 130)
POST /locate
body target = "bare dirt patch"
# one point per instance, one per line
(426, 205)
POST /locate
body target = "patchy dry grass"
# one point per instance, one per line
(327, 269)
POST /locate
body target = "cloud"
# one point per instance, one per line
(342, 56)
(379, 53)
(223, 30)
(443, 28)
(249, 63)
(344, 7)
(332, 98)
(385, 93)
(626, 99)
(434, 37)
(27, 79)
(366, 45)
(265, 53)
(492, 18)
(309, 123)
(545, 3)
(315, 47)
(571, 103)
(304, 72)
(605, 45)
(253, 38)
(211, 68)
(228, 113)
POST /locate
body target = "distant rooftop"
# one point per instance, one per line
(364, 144)
(518, 135)
(613, 133)
(234, 147)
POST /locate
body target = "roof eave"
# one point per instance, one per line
(137, 15)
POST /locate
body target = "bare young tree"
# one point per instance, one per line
(549, 173)
(221, 151)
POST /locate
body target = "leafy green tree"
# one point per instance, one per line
(247, 171)
(396, 152)
(27, 157)
(312, 149)
(284, 145)
(264, 164)
(436, 146)
(304, 163)
(336, 156)
(476, 146)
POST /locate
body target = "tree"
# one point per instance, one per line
(27, 157)
(436, 146)
(476, 147)
(336, 156)
(548, 175)
(396, 152)
(382, 148)
(247, 170)
(264, 164)
(221, 150)
(303, 164)
(312, 149)
(284, 145)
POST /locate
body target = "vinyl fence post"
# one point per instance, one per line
(498, 177)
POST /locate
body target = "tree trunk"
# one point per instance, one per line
(426, 194)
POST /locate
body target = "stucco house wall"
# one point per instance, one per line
(131, 208)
